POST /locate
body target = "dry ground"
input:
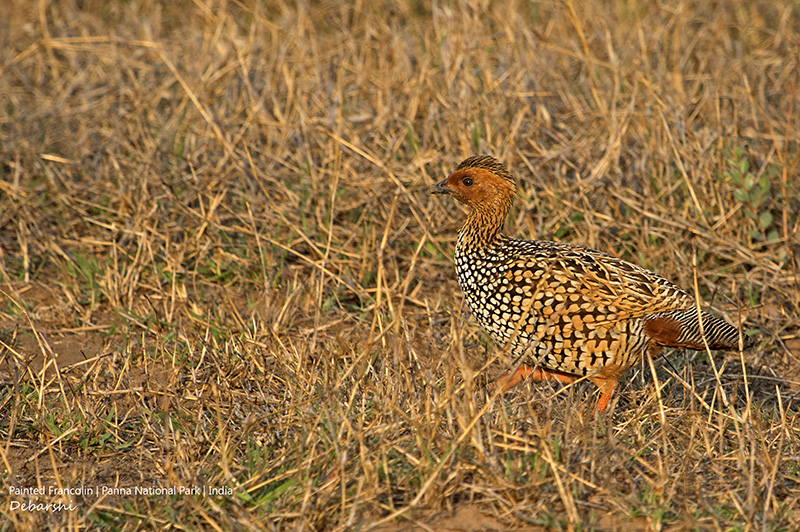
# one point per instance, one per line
(221, 267)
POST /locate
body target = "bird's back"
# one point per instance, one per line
(578, 310)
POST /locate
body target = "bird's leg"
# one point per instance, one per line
(606, 387)
(523, 372)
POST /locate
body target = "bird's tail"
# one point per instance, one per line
(681, 328)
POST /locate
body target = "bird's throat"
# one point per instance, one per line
(481, 229)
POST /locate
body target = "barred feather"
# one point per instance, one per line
(718, 333)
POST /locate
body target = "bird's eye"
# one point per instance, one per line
(467, 181)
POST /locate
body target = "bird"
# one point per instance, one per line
(570, 312)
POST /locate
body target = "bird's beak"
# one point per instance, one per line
(441, 188)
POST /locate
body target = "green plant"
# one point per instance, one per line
(753, 191)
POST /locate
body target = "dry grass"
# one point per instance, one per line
(221, 267)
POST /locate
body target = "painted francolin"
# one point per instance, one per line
(573, 311)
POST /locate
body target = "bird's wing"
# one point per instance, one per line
(581, 280)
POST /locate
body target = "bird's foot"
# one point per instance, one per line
(523, 372)
(606, 388)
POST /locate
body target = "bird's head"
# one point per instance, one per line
(479, 182)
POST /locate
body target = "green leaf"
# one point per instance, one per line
(757, 196)
(765, 219)
(740, 195)
(773, 170)
(755, 235)
(744, 166)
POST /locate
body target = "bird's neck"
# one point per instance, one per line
(483, 226)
